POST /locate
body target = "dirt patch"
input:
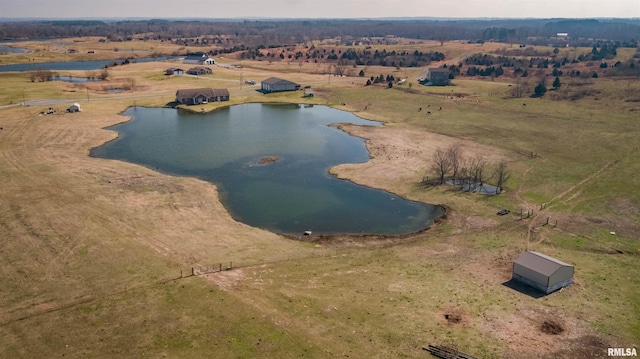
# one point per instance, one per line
(551, 327)
(538, 332)
(226, 280)
(455, 316)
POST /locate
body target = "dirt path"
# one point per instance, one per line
(556, 200)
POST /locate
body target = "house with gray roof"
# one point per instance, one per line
(542, 272)
(201, 95)
(199, 70)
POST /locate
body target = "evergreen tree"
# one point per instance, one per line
(556, 82)
(541, 89)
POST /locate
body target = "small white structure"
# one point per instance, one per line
(74, 108)
(542, 272)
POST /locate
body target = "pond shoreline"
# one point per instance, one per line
(431, 212)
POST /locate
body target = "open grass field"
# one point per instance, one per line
(97, 255)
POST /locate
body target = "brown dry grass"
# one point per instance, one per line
(91, 246)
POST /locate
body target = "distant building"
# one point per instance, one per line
(199, 70)
(74, 108)
(201, 95)
(198, 59)
(274, 84)
(438, 76)
(542, 272)
(173, 71)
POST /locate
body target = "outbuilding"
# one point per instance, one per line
(542, 272)
(438, 76)
(74, 108)
(174, 71)
(274, 84)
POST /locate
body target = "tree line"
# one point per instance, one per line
(267, 32)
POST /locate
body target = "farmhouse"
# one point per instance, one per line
(198, 59)
(438, 76)
(199, 70)
(173, 71)
(542, 272)
(274, 84)
(201, 95)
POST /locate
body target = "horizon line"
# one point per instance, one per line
(310, 18)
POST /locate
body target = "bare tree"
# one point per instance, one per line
(502, 176)
(454, 152)
(104, 74)
(520, 88)
(441, 164)
(476, 167)
(341, 66)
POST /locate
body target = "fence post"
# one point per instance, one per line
(180, 273)
(192, 272)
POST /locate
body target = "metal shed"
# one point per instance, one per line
(274, 84)
(542, 272)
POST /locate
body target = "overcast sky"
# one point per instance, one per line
(317, 8)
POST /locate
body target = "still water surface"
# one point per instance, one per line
(290, 195)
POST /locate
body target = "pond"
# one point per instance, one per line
(73, 65)
(270, 163)
(4, 48)
(75, 80)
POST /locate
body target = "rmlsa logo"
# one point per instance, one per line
(622, 352)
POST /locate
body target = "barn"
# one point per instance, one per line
(198, 59)
(542, 272)
(438, 76)
(274, 84)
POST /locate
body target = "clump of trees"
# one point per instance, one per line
(42, 75)
(388, 79)
(452, 166)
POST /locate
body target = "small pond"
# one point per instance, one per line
(73, 65)
(75, 80)
(4, 48)
(270, 163)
